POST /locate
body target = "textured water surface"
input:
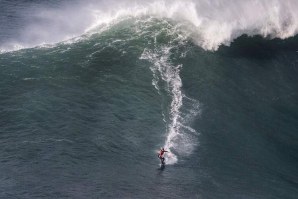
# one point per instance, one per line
(89, 91)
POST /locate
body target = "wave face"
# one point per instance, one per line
(89, 91)
(209, 23)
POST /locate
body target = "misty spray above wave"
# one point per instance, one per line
(208, 23)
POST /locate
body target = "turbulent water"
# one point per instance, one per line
(90, 90)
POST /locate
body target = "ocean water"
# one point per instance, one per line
(90, 90)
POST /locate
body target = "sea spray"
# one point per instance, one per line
(208, 23)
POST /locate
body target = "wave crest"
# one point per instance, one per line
(208, 23)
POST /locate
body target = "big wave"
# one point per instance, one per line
(209, 24)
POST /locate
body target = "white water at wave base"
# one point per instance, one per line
(180, 137)
(209, 23)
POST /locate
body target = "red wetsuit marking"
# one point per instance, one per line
(161, 153)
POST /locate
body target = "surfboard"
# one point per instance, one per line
(161, 167)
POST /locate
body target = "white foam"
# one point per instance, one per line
(210, 23)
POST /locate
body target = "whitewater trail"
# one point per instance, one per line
(180, 137)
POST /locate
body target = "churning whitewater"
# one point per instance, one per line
(209, 23)
(89, 90)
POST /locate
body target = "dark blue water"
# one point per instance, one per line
(84, 118)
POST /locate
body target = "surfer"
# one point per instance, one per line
(161, 155)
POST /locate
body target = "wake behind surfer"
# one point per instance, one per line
(161, 153)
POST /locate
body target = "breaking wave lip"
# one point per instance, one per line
(208, 23)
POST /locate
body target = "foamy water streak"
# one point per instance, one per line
(208, 23)
(181, 138)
